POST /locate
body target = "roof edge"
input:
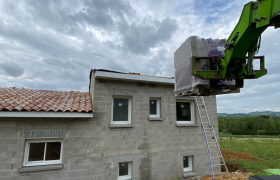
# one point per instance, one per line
(133, 77)
(43, 114)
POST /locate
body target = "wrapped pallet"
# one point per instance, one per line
(185, 83)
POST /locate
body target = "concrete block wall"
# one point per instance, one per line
(92, 150)
(165, 143)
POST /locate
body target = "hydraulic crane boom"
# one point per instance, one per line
(245, 38)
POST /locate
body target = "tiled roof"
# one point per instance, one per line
(15, 99)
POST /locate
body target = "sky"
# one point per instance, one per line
(54, 44)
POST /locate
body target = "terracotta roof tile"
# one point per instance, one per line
(16, 99)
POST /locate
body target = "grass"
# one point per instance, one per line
(267, 151)
(247, 136)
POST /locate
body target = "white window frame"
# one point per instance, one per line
(192, 112)
(190, 159)
(129, 110)
(129, 172)
(39, 163)
(158, 107)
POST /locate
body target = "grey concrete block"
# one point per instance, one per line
(22, 178)
(87, 178)
(77, 167)
(5, 142)
(6, 154)
(8, 130)
(13, 160)
(6, 167)
(50, 176)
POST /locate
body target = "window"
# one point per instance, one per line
(187, 163)
(121, 111)
(42, 152)
(124, 170)
(185, 112)
(154, 107)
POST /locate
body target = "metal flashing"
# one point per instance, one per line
(133, 77)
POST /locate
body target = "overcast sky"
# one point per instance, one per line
(54, 44)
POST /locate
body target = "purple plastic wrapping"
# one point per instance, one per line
(185, 83)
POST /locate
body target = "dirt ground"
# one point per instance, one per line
(233, 168)
(231, 155)
(232, 176)
(225, 176)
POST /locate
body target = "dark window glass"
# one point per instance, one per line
(36, 151)
(53, 151)
(186, 162)
(123, 169)
(120, 110)
(183, 110)
(153, 107)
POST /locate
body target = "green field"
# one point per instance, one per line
(267, 151)
(246, 136)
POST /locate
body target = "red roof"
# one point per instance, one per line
(16, 99)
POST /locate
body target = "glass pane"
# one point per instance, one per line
(186, 162)
(120, 110)
(53, 150)
(123, 169)
(153, 107)
(183, 110)
(36, 151)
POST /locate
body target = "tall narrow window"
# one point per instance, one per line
(154, 107)
(185, 112)
(38, 152)
(121, 111)
(187, 163)
(124, 170)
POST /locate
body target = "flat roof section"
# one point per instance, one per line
(136, 77)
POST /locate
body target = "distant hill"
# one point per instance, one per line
(256, 113)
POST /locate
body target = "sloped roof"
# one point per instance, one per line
(23, 99)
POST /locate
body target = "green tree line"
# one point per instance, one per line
(255, 123)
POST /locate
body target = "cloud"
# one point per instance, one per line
(54, 44)
(12, 69)
(140, 37)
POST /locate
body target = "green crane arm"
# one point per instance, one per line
(245, 38)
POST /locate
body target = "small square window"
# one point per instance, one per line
(185, 112)
(121, 111)
(187, 163)
(124, 170)
(154, 107)
(39, 152)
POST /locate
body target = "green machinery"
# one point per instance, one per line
(245, 38)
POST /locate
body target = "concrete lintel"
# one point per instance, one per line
(37, 134)
(121, 126)
(40, 168)
(186, 97)
(155, 118)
